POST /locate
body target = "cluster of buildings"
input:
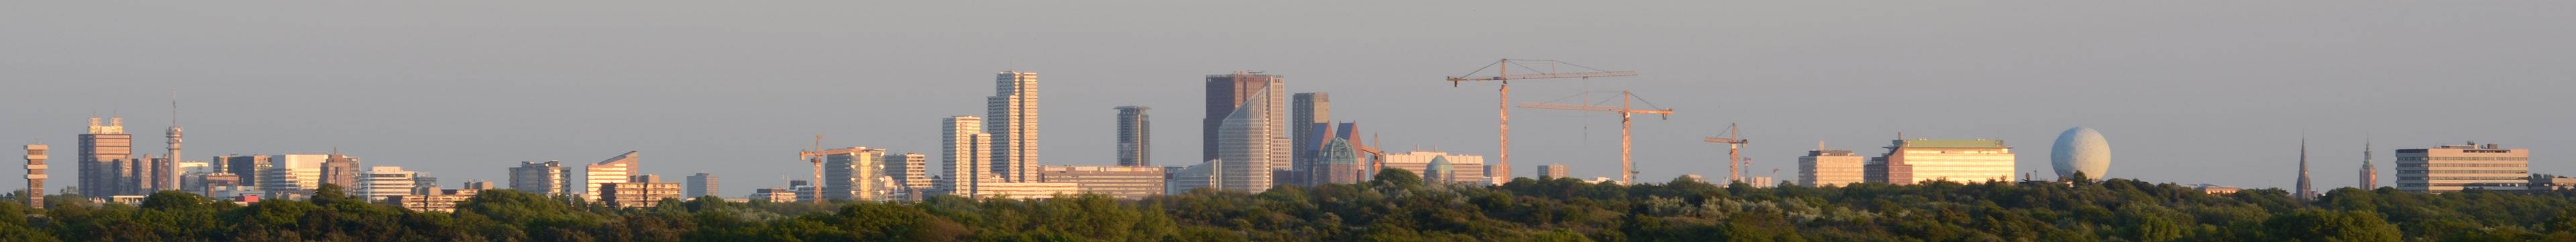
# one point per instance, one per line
(2438, 169)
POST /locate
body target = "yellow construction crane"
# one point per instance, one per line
(1503, 75)
(814, 156)
(1733, 157)
(1628, 172)
(1377, 159)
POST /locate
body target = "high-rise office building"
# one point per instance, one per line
(1226, 93)
(545, 178)
(1463, 169)
(910, 171)
(618, 169)
(341, 170)
(1553, 171)
(1965, 161)
(701, 185)
(100, 149)
(382, 183)
(1312, 124)
(36, 175)
(851, 174)
(1014, 110)
(2369, 172)
(292, 173)
(1336, 163)
(2306, 191)
(244, 167)
(1252, 140)
(1121, 182)
(964, 161)
(1822, 168)
(1135, 136)
(2444, 169)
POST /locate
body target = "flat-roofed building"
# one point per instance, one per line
(773, 195)
(441, 201)
(380, 183)
(1830, 168)
(1026, 190)
(911, 173)
(546, 178)
(1553, 171)
(1463, 169)
(852, 174)
(620, 169)
(1116, 182)
(1910, 162)
(702, 185)
(290, 173)
(638, 195)
(1181, 180)
(2216, 190)
(2444, 169)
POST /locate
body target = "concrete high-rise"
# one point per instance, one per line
(1910, 162)
(36, 175)
(851, 174)
(165, 174)
(545, 178)
(618, 169)
(1312, 124)
(701, 185)
(1823, 168)
(964, 162)
(2444, 169)
(1252, 142)
(1014, 126)
(1135, 136)
(99, 150)
(1225, 93)
(380, 183)
(910, 171)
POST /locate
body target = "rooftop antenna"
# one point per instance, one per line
(174, 109)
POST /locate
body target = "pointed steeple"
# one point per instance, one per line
(2369, 172)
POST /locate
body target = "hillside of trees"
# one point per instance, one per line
(1396, 206)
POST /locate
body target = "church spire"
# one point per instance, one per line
(2306, 191)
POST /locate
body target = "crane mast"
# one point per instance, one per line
(1734, 157)
(1627, 169)
(1503, 77)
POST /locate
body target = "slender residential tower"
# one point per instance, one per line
(963, 163)
(1014, 124)
(36, 176)
(2369, 173)
(2306, 191)
(1135, 136)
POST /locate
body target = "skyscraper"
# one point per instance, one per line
(701, 185)
(2369, 173)
(2447, 168)
(1014, 110)
(341, 170)
(618, 169)
(963, 161)
(292, 173)
(539, 178)
(1225, 93)
(99, 150)
(1135, 136)
(851, 173)
(1252, 142)
(2306, 191)
(911, 172)
(36, 176)
(1313, 124)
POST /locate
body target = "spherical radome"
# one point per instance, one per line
(2081, 149)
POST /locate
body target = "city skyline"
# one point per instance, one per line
(734, 121)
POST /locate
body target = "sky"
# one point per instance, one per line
(2185, 91)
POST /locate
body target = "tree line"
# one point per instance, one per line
(1395, 206)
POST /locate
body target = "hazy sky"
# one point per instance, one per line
(2189, 93)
